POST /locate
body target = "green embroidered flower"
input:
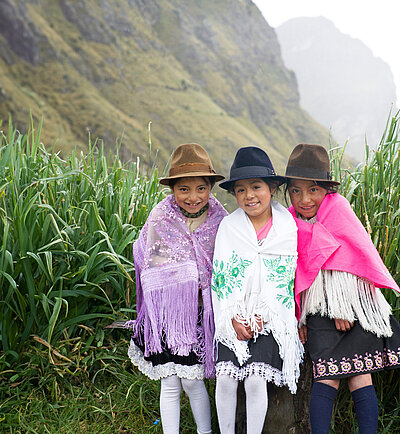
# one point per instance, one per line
(227, 276)
(220, 279)
(282, 271)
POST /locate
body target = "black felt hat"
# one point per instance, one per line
(251, 162)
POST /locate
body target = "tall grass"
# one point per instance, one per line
(373, 189)
(67, 226)
(66, 230)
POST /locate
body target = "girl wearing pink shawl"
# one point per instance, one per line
(173, 333)
(343, 316)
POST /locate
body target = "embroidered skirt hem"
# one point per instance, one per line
(337, 354)
(268, 372)
(265, 361)
(171, 365)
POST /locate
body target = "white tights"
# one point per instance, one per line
(256, 403)
(170, 404)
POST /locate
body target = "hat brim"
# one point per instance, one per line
(165, 181)
(304, 178)
(228, 185)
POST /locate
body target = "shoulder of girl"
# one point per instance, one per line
(337, 199)
(230, 219)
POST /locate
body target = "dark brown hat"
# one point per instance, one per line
(190, 159)
(309, 162)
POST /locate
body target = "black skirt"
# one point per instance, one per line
(167, 356)
(336, 354)
(265, 360)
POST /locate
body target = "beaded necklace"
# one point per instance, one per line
(195, 214)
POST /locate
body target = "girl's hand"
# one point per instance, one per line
(303, 334)
(243, 333)
(343, 325)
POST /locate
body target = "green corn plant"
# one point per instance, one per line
(373, 190)
(67, 226)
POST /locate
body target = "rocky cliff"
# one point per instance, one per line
(208, 71)
(341, 83)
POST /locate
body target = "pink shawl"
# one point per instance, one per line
(337, 241)
(170, 265)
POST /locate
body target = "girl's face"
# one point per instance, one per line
(192, 193)
(306, 196)
(254, 197)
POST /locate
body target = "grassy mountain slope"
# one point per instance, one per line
(205, 71)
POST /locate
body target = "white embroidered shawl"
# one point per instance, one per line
(251, 280)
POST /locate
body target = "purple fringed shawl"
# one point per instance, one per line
(171, 265)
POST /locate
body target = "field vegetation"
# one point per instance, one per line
(373, 189)
(67, 225)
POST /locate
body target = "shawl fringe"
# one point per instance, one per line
(337, 241)
(252, 282)
(172, 265)
(337, 294)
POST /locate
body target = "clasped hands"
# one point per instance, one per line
(244, 333)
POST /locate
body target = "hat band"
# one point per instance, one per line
(307, 172)
(252, 172)
(189, 168)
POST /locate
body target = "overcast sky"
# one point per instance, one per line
(376, 23)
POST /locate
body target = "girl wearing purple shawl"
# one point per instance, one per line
(173, 333)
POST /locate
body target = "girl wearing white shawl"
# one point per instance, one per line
(253, 293)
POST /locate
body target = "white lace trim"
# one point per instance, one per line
(268, 372)
(194, 372)
(337, 294)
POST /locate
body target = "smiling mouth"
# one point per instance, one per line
(193, 205)
(252, 204)
(308, 209)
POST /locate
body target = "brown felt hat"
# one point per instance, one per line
(309, 162)
(190, 159)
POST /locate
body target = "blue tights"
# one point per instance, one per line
(321, 405)
(366, 405)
